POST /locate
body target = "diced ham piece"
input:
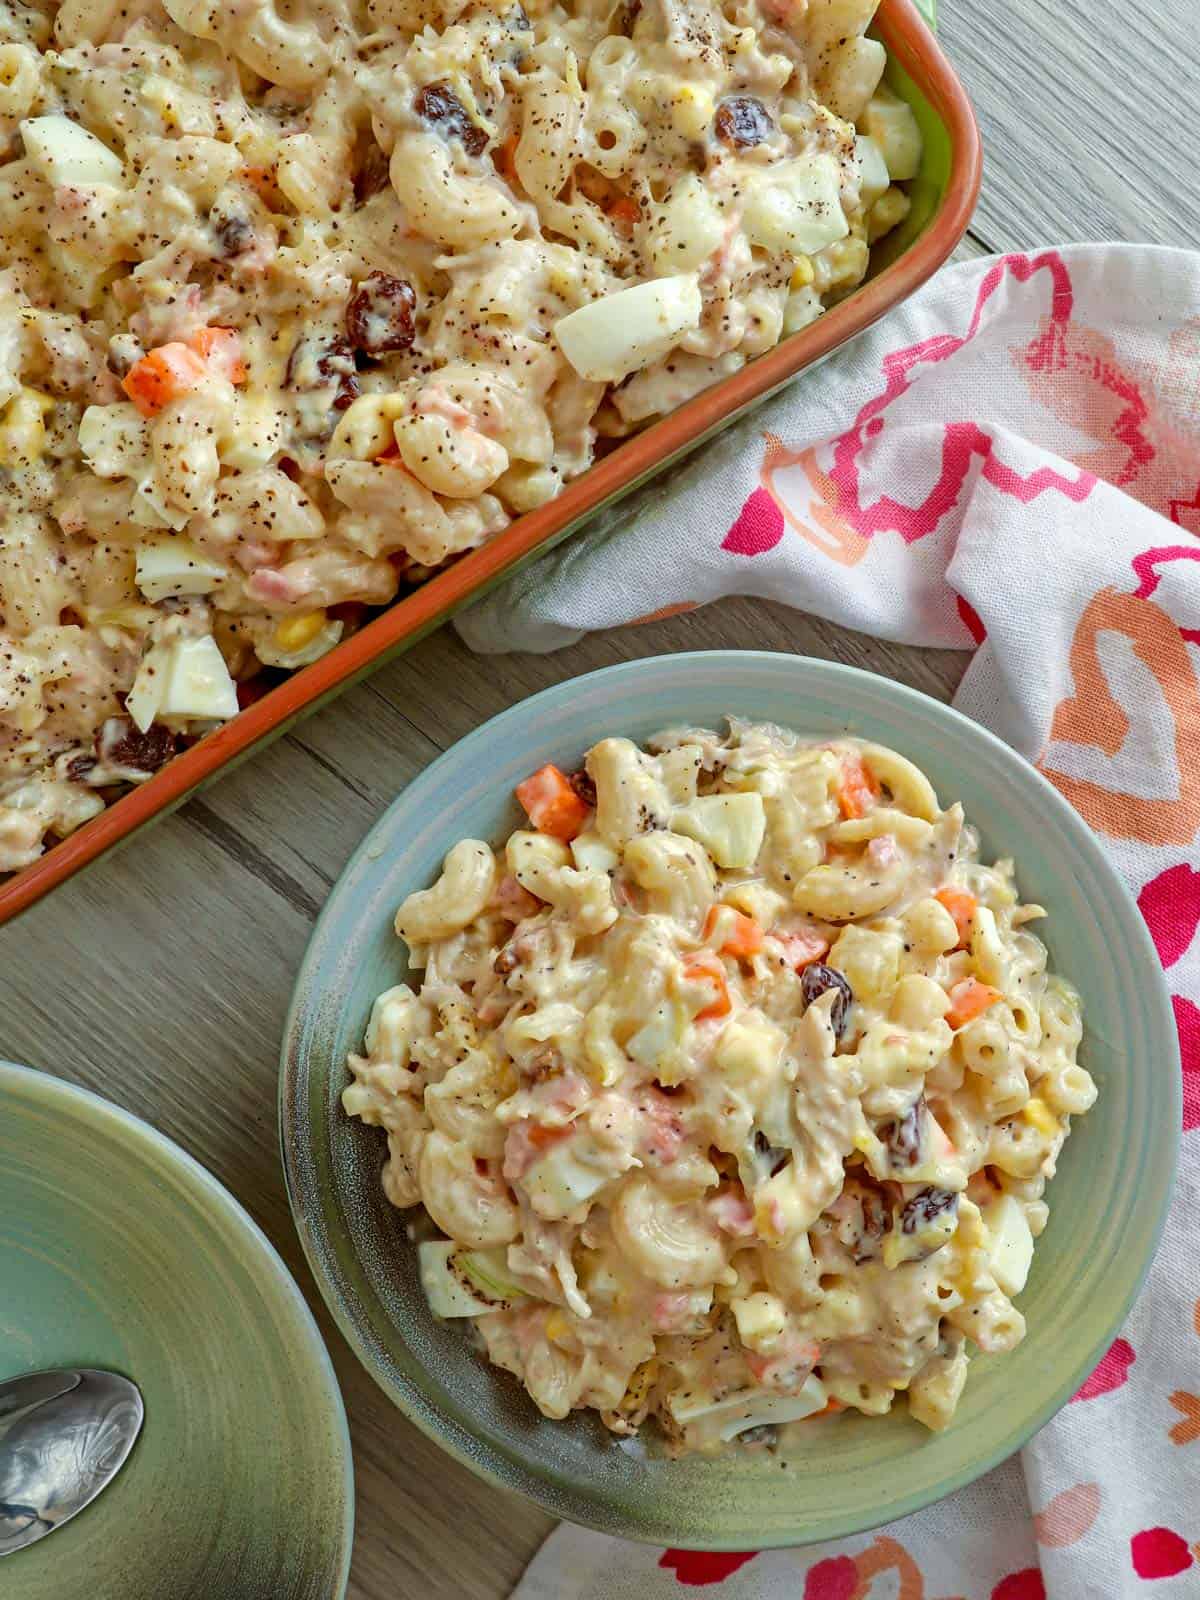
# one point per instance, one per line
(883, 851)
(733, 1213)
(513, 902)
(787, 1366)
(661, 1126)
(271, 584)
(671, 1313)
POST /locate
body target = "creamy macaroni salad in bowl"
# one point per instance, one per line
(734, 1079)
(695, 1141)
(299, 302)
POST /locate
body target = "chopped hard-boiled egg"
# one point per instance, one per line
(657, 1036)
(183, 680)
(464, 1283)
(874, 179)
(568, 1174)
(890, 123)
(795, 208)
(62, 152)
(618, 334)
(749, 1408)
(689, 227)
(591, 852)
(175, 566)
(729, 826)
(1011, 1242)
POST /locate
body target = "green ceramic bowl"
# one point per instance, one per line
(117, 1250)
(1107, 1203)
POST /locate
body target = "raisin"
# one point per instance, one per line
(817, 979)
(903, 1137)
(438, 105)
(381, 315)
(873, 1220)
(924, 1207)
(234, 236)
(765, 1435)
(78, 767)
(742, 122)
(121, 743)
(546, 1064)
(322, 364)
(584, 787)
(372, 176)
(773, 1157)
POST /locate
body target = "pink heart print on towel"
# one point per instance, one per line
(1170, 904)
(833, 1579)
(759, 527)
(1024, 1585)
(1159, 1553)
(1110, 1374)
(698, 1568)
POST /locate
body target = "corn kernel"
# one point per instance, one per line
(1039, 1115)
(558, 1328)
(22, 432)
(761, 1320)
(293, 633)
(802, 272)
(692, 110)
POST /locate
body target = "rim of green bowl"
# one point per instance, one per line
(49, 1087)
(519, 1476)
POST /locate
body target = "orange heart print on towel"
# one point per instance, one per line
(853, 1577)
(1093, 716)
(807, 498)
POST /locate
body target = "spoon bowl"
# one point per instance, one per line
(64, 1436)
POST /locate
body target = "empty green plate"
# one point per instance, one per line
(118, 1250)
(1106, 1204)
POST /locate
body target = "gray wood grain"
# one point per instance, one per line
(161, 977)
(1085, 111)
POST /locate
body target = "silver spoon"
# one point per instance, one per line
(64, 1436)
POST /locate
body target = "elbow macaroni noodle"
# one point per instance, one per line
(297, 303)
(733, 1082)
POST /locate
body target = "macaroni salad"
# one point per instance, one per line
(733, 1081)
(300, 300)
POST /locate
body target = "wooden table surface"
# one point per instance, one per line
(161, 977)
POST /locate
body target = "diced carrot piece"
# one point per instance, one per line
(704, 964)
(161, 376)
(960, 903)
(221, 351)
(542, 1137)
(743, 935)
(802, 949)
(968, 1000)
(857, 791)
(624, 213)
(827, 1410)
(505, 160)
(551, 804)
(262, 181)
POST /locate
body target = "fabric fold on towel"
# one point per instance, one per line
(1009, 462)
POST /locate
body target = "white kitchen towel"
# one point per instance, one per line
(1010, 461)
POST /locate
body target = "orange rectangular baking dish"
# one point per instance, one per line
(943, 196)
